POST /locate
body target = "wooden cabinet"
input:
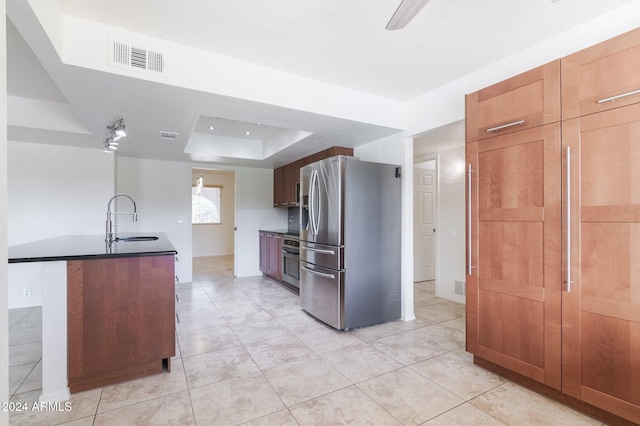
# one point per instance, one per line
(528, 100)
(278, 187)
(271, 254)
(286, 178)
(289, 185)
(513, 300)
(553, 289)
(274, 256)
(602, 77)
(121, 319)
(601, 313)
(263, 251)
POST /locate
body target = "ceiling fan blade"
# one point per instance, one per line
(405, 12)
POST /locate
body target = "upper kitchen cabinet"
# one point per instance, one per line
(525, 101)
(278, 187)
(287, 177)
(602, 77)
(289, 189)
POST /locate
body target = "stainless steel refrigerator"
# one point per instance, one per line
(350, 214)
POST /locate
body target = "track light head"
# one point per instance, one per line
(118, 128)
(117, 132)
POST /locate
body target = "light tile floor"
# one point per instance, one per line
(246, 353)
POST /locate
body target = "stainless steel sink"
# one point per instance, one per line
(138, 238)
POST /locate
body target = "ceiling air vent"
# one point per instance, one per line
(171, 136)
(127, 56)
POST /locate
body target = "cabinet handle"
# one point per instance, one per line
(469, 242)
(177, 318)
(568, 219)
(504, 126)
(613, 98)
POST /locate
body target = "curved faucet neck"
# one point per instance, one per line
(110, 232)
(122, 194)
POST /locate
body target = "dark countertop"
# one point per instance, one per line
(85, 247)
(280, 231)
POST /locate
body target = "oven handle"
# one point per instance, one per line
(290, 253)
(320, 274)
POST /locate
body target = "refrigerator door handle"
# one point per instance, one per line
(310, 203)
(320, 274)
(314, 202)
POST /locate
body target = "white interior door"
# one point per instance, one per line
(423, 224)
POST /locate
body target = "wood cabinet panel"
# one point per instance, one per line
(278, 187)
(513, 300)
(274, 256)
(289, 184)
(601, 314)
(121, 319)
(263, 251)
(530, 99)
(606, 70)
(271, 254)
(515, 314)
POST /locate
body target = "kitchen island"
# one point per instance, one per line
(108, 311)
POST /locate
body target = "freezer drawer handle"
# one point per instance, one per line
(315, 250)
(320, 274)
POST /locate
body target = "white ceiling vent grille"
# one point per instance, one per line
(123, 55)
(168, 135)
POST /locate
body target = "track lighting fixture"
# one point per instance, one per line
(118, 131)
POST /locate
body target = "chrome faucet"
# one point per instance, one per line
(111, 236)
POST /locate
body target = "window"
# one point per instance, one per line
(206, 206)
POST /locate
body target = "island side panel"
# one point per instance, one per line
(121, 319)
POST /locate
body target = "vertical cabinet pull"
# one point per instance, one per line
(568, 277)
(469, 241)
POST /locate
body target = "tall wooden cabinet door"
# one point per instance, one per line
(601, 323)
(525, 101)
(263, 251)
(514, 295)
(602, 77)
(278, 187)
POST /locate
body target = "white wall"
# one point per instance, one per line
(450, 260)
(254, 211)
(396, 149)
(162, 191)
(52, 191)
(216, 239)
(57, 190)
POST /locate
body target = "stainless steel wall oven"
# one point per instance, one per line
(291, 260)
